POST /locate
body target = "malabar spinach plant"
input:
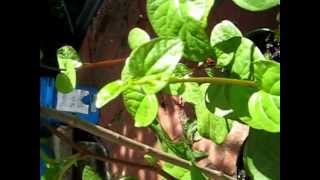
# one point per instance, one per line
(244, 85)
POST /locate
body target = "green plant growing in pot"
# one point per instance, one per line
(247, 91)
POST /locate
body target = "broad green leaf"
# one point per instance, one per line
(192, 93)
(109, 92)
(89, 173)
(262, 155)
(132, 98)
(175, 171)
(137, 37)
(223, 32)
(151, 160)
(193, 174)
(257, 5)
(210, 125)
(181, 148)
(183, 174)
(216, 96)
(147, 111)
(152, 64)
(66, 81)
(264, 110)
(238, 98)
(177, 89)
(241, 52)
(185, 19)
(267, 76)
(68, 58)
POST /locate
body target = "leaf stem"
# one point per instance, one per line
(114, 137)
(88, 153)
(102, 63)
(215, 80)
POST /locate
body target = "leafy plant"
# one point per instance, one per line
(244, 85)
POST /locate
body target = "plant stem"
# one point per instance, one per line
(50, 68)
(215, 80)
(88, 153)
(114, 137)
(108, 62)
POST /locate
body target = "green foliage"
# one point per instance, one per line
(109, 92)
(257, 5)
(210, 125)
(147, 111)
(153, 66)
(183, 174)
(184, 19)
(137, 37)
(89, 173)
(68, 61)
(262, 155)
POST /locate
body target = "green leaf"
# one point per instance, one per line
(68, 58)
(137, 37)
(183, 174)
(109, 92)
(89, 173)
(193, 174)
(184, 19)
(210, 125)
(262, 155)
(181, 148)
(223, 32)
(66, 81)
(176, 89)
(241, 52)
(147, 111)
(267, 76)
(132, 98)
(152, 64)
(152, 161)
(257, 5)
(216, 97)
(238, 98)
(264, 109)
(192, 93)
(175, 171)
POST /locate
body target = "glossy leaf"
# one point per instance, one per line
(68, 57)
(152, 64)
(262, 155)
(192, 93)
(181, 148)
(183, 174)
(216, 96)
(66, 81)
(109, 92)
(267, 76)
(151, 160)
(257, 5)
(241, 52)
(132, 98)
(147, 111)
(238, 98)
(209, 124)
(193, 174)
(264, 110)
(175, 171)
(184, 19)
(223, 31)
(89, 173)
(137, 37)
(177, 89)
